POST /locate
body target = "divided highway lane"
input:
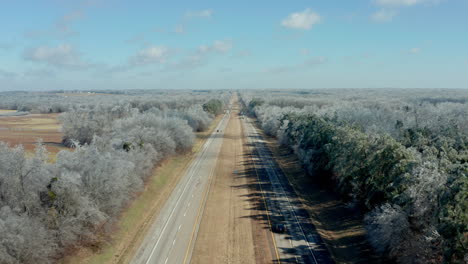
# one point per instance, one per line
(301, 243)
(172, 236)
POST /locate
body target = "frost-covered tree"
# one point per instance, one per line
(47, 208)
(402, 158)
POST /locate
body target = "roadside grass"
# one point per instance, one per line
(131, 218)
(130, 229)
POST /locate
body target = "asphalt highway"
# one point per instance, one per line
(301, 242)
(171, 237)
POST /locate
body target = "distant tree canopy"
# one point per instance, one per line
(213, 106)
(256, 102)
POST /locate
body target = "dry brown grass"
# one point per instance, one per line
(3, 111)
(26, 130)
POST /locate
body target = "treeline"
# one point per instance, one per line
(213, 106)
(82, 124)
(404, 161)
(64, 101)
(47, 209)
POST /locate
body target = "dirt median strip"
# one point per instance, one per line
(229, 231)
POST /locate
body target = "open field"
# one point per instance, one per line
(26, 130)
(3, 111)
(136, 219)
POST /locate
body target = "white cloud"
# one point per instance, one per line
(396, 3)
(200, 13)
(200, 56)
(151, 55)
(162, 55)
(414, 50)
(383, 15)
(301, 20)
(219, 46)
(389, 6)
(64, 55)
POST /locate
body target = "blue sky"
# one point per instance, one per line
(105, 44)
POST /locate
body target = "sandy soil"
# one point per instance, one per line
(26, 130)
(339, 226)
(228, 231)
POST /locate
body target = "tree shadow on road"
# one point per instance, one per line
(348, 241)
(265, 215)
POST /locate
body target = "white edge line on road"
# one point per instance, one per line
(291, 209)
(204, 199)
(180, 197)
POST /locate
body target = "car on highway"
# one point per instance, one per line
(279, 228)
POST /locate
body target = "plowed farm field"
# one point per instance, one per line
(26, 130)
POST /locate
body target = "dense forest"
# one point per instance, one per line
(116, 139)
(401, 156)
